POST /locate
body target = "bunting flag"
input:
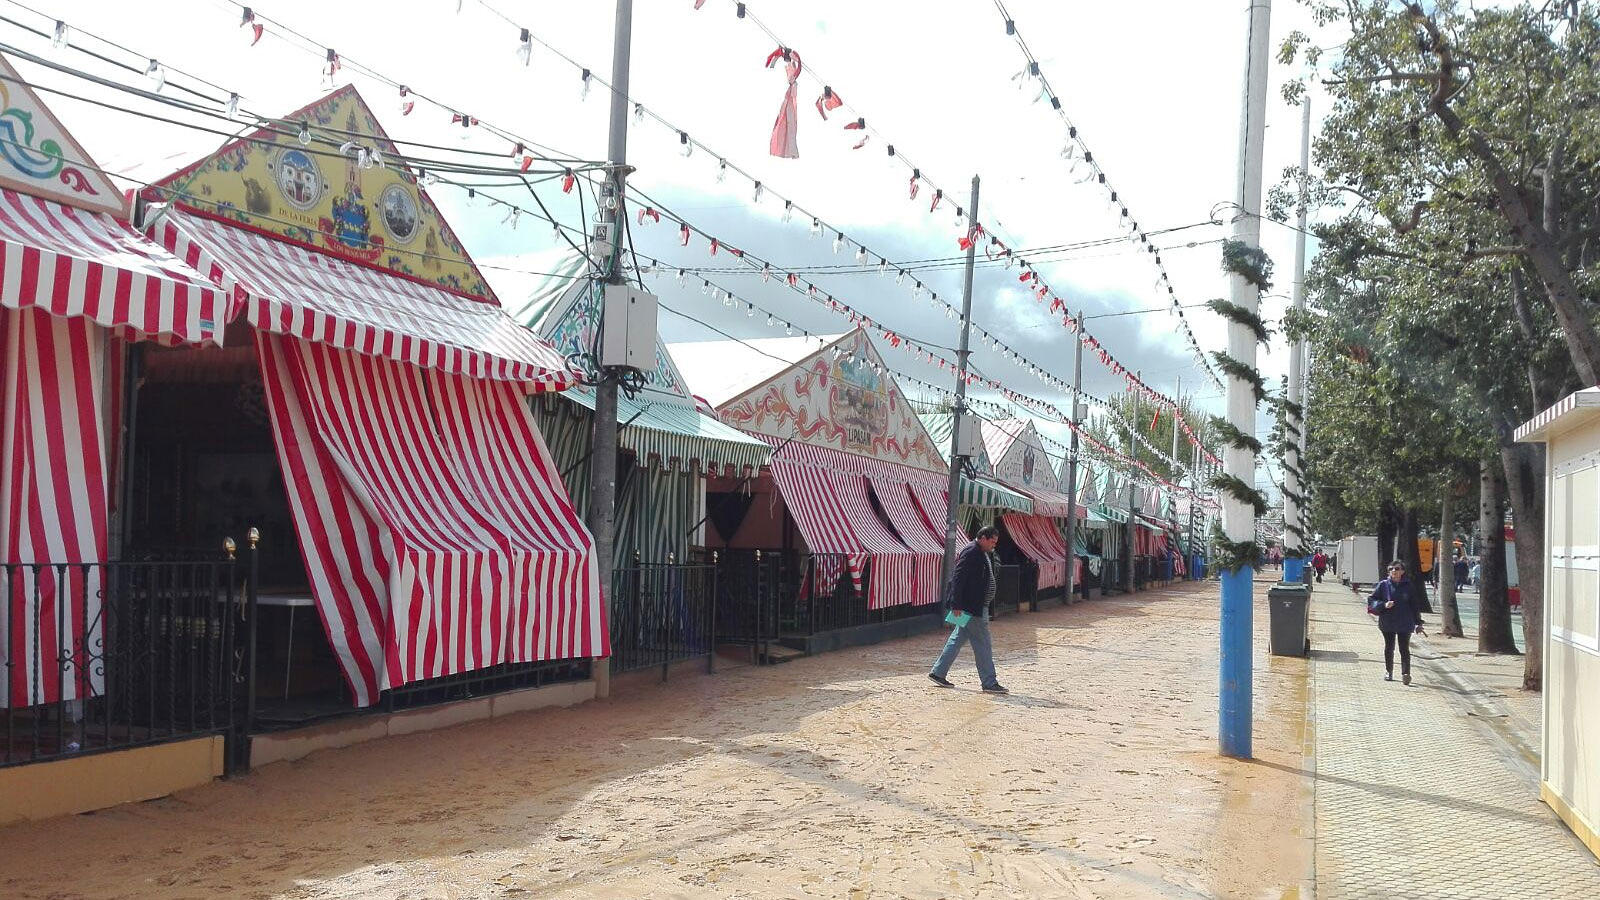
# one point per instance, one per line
(1155, 420)
(828, 100)
(256, 28)
(785, 141)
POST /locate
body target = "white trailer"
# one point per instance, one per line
(1357, 561)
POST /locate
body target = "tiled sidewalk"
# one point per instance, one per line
(1417, 796)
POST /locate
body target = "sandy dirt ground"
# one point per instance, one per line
(842, 775)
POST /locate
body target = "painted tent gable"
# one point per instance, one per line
(1024, 461)
(1089, 490)
(565, 310)
(39, 157)
(940, 425)
(316, 196)
(840, 403)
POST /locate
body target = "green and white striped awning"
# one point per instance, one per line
(1095, 520)
(985, 494)
(680, 436)
(1112, 514)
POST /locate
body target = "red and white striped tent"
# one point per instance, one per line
(1020, 461)
(855, 467)
(76, 284)
(434, 527)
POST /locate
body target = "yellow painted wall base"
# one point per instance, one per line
(98, 780)
(1585, 831)
(285, 746)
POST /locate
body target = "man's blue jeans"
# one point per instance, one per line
(977, 631)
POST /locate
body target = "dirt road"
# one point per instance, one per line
(844, 775)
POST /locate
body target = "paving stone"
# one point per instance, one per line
(1413, 798)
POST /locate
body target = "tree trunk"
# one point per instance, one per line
(1524, 471)
(1449, 614)
(1494, 607)
(1411, 555)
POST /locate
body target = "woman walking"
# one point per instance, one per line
(1398, 619)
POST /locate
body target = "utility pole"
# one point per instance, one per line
(1294, 518)
(961, 396)
(1234, 706)
(603, 453)
(1072, 462)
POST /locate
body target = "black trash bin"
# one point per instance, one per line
(1290, 615)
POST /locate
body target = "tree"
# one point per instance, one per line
(1461, 151)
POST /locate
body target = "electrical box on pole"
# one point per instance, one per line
(969, 437)
(629, 339)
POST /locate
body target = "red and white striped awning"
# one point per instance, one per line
(433, 522)
(1051, 503)
(934, 501)
(73, 263)
(1037, 538)
(300, 292)
(826, 492)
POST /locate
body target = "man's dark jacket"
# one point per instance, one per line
(969, 583)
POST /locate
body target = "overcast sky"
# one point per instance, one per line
(1154, 88)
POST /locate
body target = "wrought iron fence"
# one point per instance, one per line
(112, 655)
(1008, 593)
(662, 614)
(768, 597)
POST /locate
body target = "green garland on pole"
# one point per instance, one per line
(1233, 436)
(1236, 313)
(1234, 368)
(1250, 263)
(1235, 487)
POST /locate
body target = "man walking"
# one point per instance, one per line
(968, 596)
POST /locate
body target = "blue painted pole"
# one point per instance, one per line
(1236, 697)
(1294, 569)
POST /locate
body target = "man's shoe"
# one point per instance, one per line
(1388, 676)
(1406, 678)
(995, 689)
(941, 682)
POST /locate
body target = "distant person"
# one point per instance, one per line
(1319, 564)
(1475, 573)
(1462, 571)
(1398, 619)
(968, 597)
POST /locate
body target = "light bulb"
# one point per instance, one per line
(788, 211)
(901, 277)
(233, 107)
(588, 79)
(156, 73)
(766, 273)
(770, 319)
(705, 287)
(755, 195)
(525, 48)
(838, 242)
(684, 146)
(883, 266)
(788, 329)
(680, 277)
(749, 309)
(59, 41)
(816, 227)
(861, 255)
(305, 134)
(638, 114)
(722, 171)
(836, 353)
